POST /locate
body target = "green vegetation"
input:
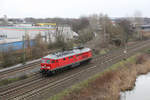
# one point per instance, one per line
(84, 84)
(11, 80)
(147, 50)
(103, 51)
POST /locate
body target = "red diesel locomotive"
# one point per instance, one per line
(56, 61)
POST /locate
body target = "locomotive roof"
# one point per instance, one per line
(60, 55)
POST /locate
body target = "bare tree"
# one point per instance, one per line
(85, 35)
(107, 28)
(138, 21)
(40, 47)
(94, 22)
(125, 25)
(79, 24)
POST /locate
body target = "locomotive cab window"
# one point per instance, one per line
(48, 61)
(43, 61)
(53, 61)
(70, 57)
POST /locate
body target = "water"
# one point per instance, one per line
(141, 90)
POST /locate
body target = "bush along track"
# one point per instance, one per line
(107, 85)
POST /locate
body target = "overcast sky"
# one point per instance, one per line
(72, 8)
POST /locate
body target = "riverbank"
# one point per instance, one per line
(140, 91)
(109, 84)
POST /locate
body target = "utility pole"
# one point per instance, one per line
(23, 37)
(24, 47)
(104, 38)
(126, 47)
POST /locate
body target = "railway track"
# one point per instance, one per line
(12, 72)
(36, 86)
(21, 69)
(12, 85)
(7, 73)
(21, 82)
(73, 78)
(50, 88)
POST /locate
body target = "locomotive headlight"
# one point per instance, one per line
(49, 67)
(43, 66)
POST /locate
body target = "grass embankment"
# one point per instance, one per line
(108, 84)
(11, 80)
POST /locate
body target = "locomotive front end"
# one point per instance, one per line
(45, 65)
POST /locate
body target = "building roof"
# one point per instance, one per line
(60, 55)
(23, 28)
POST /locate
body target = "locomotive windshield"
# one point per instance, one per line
(45, 61)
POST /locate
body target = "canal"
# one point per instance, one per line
(141, 90)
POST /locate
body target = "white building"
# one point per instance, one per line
(18, 32)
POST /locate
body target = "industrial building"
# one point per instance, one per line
(13, 36)
(13, 44)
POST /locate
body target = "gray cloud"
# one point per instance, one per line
(72, 8)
